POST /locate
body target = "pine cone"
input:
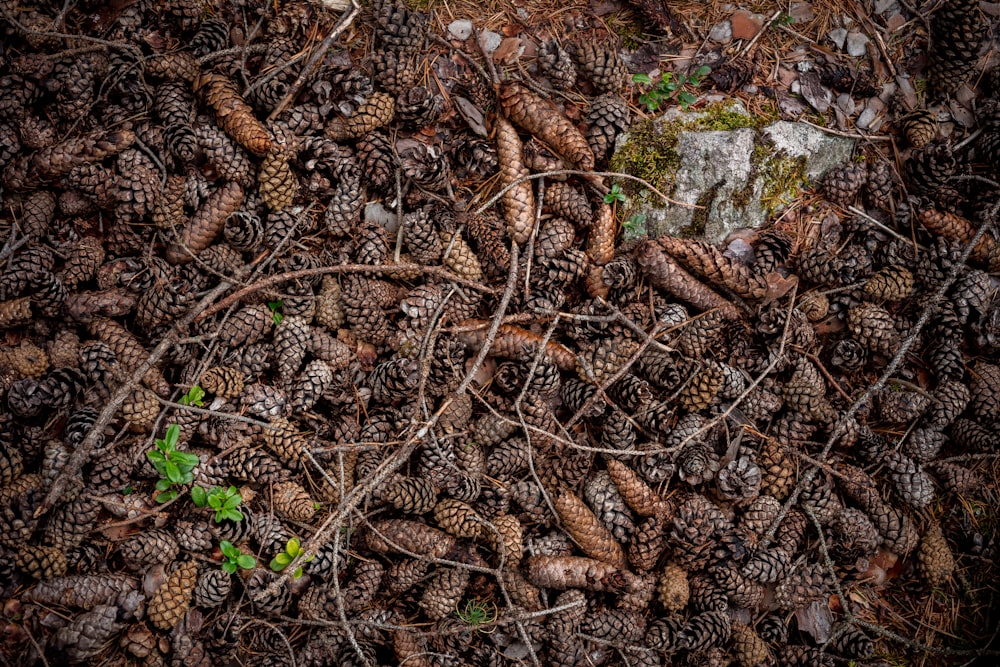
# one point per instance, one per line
(41, 562)
(212, 589)
(919, 127)
(934, 557)
(171, 600)
(842, 184)
(234, 115)
(398, 27)
(602, 64)
(607, 118)
(556, 64)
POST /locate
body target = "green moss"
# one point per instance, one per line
(783, 176)
(649, 154)
(626, 25)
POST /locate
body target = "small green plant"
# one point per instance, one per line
(634, 227)
(670, 86)
(234, 558)
(477, 612)
(275, 307)
(194, 397)
(784, 19)
(616, 195)
(293, 549)
(175, 466)
(223, 501)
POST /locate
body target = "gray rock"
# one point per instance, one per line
(728, 179)
(839, 36)
(490, 41)
(856, 44)
(722, 33)
(460, 30)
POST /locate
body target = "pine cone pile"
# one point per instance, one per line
(268, 358)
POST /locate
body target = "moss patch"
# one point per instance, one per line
(651, 151)
(782, 176)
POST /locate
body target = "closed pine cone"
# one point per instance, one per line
(673, 588)
(292, 501)
(934, 557)
(172, 599)
(842, 184)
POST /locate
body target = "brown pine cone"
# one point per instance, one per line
(748, 648)
(935, 557)
(673, 588)
(172, 599)
(602, 64)
(398, 27)
(607, 118)
(444, 592)
(276, 181)
(875, 328)
(919, 127)
(842, 184)
(376, 112)
(206, 224)
(594, 539)
(234, 115)
(892, 283)
(555, 64)
(41, 562)
(293, 502)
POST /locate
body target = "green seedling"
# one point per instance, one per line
(616, 195)
(174, 466)
(275, 307)
(671, 86)
(293, 549)
(234, 558)
(224, 501)
(634, 227)
(194, 397)
(477, 613)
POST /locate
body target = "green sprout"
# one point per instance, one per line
(223, 501)
(670, 86)
(634, 227)
(784, 19)
(293, 549)
(477, 612)
(616, 194)
(275, 307)
(234, 558)
(174, 466)
(193, 397)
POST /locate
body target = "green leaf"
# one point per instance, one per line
(703, 71)
(293, 547)
(163, 485)
(641, 78)
(186, 459)
(284, 559)
(193, 397)
(127, 491)
(156, 457)
(199, 496)
(686, 99)
(246, 561)
(229, 566)
(215, 502)
(227, 549)
(166, 496)
(187, 477)
(173, 472)
(233, 502)
(236, 515)
(297, 573)
(277, 565)
(173, 435)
